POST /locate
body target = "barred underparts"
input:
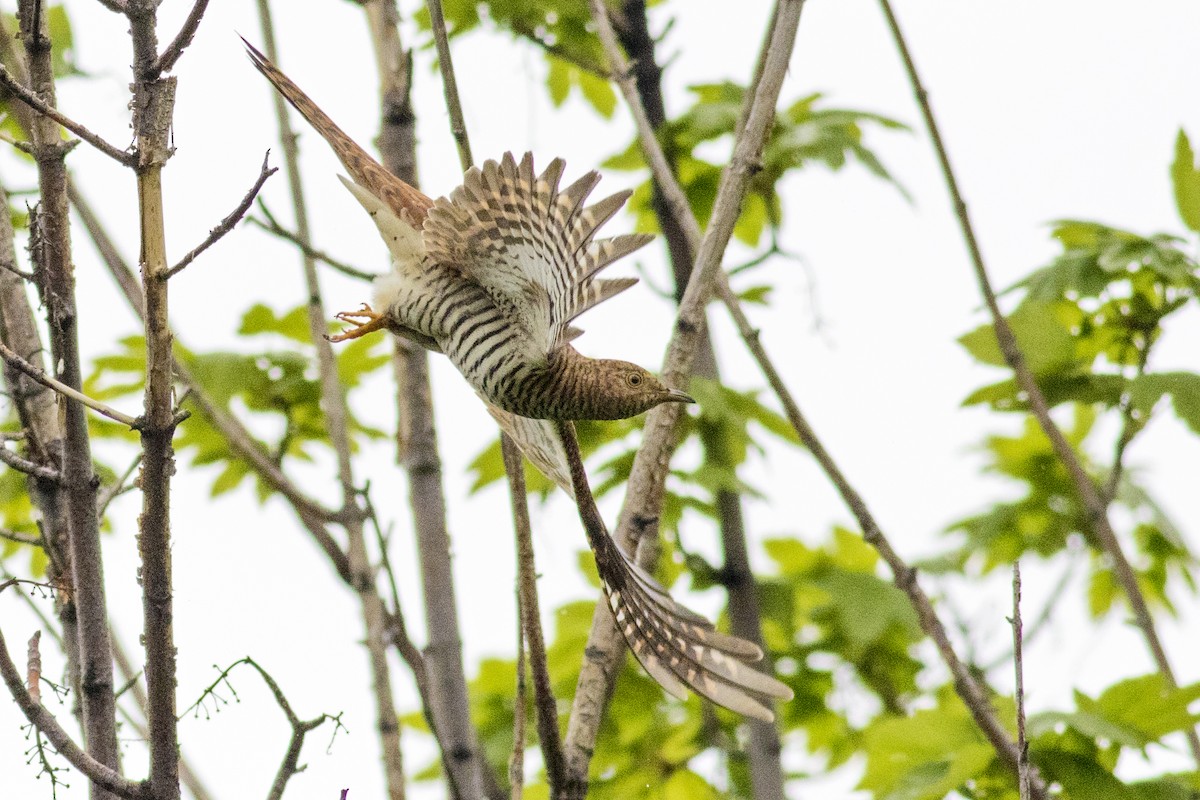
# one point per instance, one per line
(493, 276)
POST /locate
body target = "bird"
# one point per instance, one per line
(493, 276)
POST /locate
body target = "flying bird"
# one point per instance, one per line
(493, 277)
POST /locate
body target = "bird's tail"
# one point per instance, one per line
(404, 200)
(678, 647)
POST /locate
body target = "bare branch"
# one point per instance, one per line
(22, 538)
(458, 125)
(28, 467)
(115, 6)
(516, 760)
(530, 618)
(272, 226)
(1089, 495)
(182, 39)
(640, 83)
(227, 224)
(66, 391)
(470, 775)
(333, 404)
(1023, 770)
(558, 51)
(33, 101)
(45, 722)
(313, 515)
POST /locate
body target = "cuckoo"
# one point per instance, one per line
(493, 276)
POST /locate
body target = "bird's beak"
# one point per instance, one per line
(676, 396)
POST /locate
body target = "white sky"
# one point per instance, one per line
(1066, 110)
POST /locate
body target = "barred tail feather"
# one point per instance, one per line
(677, 647)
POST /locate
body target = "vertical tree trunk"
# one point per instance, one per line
(51, 251)
(469, 775)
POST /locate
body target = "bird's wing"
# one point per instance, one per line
(538, 440)
(402, 237)
(529, 245)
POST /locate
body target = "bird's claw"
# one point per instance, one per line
(364, 321)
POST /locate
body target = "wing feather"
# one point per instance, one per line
(530, 246)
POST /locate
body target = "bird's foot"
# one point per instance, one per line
(364, 321)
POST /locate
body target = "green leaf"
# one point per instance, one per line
(598, 92)
(1046, 342)
(687, 785)
(1185, 179)
(1184, 388)
(63, 42)
(866, 607)
(261, 319)
(925, 755)
(558, 81)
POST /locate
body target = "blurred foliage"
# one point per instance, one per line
(803, 133)
(62, 63)
(274, 388)
(1088, 323)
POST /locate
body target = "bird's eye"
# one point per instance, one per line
(634, 379)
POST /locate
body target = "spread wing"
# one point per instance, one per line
(529, 245)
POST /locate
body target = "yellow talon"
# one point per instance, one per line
(364, 321)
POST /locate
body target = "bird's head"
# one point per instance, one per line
(626, 390)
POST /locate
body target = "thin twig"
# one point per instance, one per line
(273, 227)
(45, 722)
(974, 696)
(1093, 503)
(182, 39)
(559, 52)
(227, 224)
(22, 538)
(118, 487)
(1023, 770)
(28, 467)
(22, 274)
(516, 760)
(458, 125)
(33, 101)
(66, 391)
(1130, 427)
(529, 614)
